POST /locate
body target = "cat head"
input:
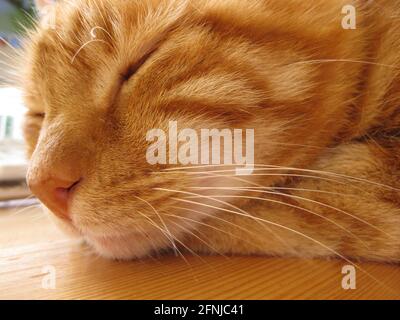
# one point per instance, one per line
(104, 74)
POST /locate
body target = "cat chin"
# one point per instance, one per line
(129, 246)
(124, 247)
(120, 244)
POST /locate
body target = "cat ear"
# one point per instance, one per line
(43, 6)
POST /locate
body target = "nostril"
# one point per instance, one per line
(63, 194)
(54, 183)
(55, 194)
(74, 185)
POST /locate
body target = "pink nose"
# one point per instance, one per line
(53, 191)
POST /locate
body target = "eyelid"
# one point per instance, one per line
(131, 71)
(36, 114)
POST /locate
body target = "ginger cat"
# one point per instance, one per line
(323, 101)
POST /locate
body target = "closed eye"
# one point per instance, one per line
(36, 114)
(136, 66)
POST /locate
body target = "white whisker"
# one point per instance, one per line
(84, 45)
(312, 201)
(229, 205)
(218, 229)
(165, 233)
(293, 231)
(162, 221)
(193, 234)
(277, 202)
(317, 61)
(274, 168)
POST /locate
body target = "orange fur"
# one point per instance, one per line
(261, 64)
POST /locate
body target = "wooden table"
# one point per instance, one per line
(35, 256)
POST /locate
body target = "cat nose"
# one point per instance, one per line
(54, 191)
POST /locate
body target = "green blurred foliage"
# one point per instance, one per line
(15, 15)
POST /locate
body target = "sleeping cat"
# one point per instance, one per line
(323, 102)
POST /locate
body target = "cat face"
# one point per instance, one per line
(101, 74)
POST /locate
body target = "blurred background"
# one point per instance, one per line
(15, 17)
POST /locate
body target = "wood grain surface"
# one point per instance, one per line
(30, 245)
